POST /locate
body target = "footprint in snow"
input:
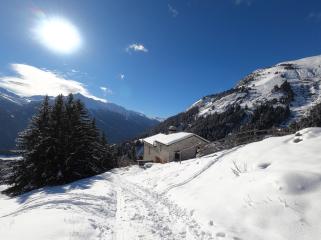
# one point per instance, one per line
(237, 238)
(191, 212)
(297, 140)
(220, 234)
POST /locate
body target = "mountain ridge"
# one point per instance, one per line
(117, 122)
(276, 96)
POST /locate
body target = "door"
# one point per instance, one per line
(177, 156)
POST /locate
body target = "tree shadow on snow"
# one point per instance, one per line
(81, 184)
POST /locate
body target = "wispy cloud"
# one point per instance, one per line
(106, 90)
(173, 11)
(31, 81)
(243, 2)
(315, 16)
(121, 76)
(136, 47)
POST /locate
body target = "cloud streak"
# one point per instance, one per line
(31, 81)
(172, 10)
(136, 47)
(315, 16)
(106, 90)
(245, 2)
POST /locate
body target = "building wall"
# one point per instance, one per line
(186, 147)
(163, 153)
(156, 154)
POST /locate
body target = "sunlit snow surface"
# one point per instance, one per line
(265, 190)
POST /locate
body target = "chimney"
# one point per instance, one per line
(172, 129)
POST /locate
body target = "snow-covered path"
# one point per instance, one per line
(142, 214)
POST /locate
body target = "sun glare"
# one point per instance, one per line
(58, 35)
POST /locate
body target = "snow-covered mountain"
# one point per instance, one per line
(233, 195)
(304, 77)
(118, 123)
(273, 96)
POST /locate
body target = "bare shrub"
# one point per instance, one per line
(237, 169)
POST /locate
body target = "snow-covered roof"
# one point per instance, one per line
(169, 139)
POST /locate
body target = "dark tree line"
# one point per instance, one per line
(286, 89)
(219, 125)
(182, 121)
(234, 119)
(312, 120)
(267, 115)
(60, 145)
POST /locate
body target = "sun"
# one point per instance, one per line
(58, 35)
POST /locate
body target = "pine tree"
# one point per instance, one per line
(108, 157)
(27, 174)
(56, 151)
(61, 144)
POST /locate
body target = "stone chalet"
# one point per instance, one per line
(163, 148)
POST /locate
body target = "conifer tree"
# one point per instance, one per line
(61, 144)
(31, 144)
(108, 158)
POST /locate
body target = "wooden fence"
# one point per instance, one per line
(240, 138)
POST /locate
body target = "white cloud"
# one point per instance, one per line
(136, 48)
(31, 81)
(172, 10)
(121, 76)
(106, 90)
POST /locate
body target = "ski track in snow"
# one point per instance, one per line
(142, 214)
(138, 212)
(206, 167)
(149, 215)
(97, 209)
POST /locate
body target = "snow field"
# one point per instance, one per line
(81, 210)
(264, 190)
(260, 191)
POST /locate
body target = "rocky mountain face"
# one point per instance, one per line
(279, 96)
(118, 123)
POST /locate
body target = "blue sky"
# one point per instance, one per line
(184, 49)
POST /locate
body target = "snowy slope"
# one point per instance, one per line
(82, 210)
(275, 196)
(261, 191)
(12, 98)
(303, 75)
